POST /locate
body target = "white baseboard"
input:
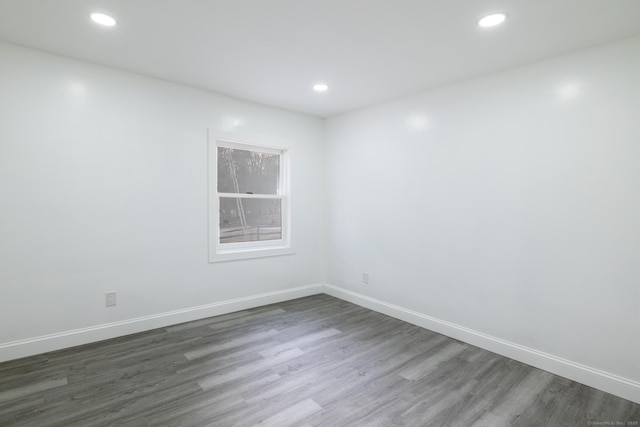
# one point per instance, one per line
(619, 386)
(43, 344)
(610, 383)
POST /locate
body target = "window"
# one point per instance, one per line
(249, 201)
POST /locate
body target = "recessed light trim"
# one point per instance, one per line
(102, 19)
(321, 87)
(492, 20)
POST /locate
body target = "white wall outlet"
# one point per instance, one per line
(110, 299)
(365, 278)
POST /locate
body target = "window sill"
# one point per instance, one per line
(238, 254)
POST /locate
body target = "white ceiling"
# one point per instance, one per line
(272, 51)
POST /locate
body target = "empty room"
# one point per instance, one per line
(336, 213)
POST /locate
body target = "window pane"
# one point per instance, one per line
(250, 220)
(248, 172)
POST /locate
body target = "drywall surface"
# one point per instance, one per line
(507, 204)
(103, 187)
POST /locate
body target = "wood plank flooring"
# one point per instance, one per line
(315, 361)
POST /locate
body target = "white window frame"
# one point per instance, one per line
(246, 250)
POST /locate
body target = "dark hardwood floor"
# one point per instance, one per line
(315, 361)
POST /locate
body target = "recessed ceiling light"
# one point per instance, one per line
(102, 19)
(320, 87)
(492, 20)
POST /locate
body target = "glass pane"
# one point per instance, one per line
(247, 172)
(250, 220)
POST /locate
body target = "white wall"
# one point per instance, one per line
(103, 187)
(508, 204)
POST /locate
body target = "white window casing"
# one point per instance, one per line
(246, 247)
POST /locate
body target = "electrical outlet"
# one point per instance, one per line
(110, 299)
(365, 278)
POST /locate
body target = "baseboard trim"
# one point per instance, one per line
(58, 341)
(610, 383)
